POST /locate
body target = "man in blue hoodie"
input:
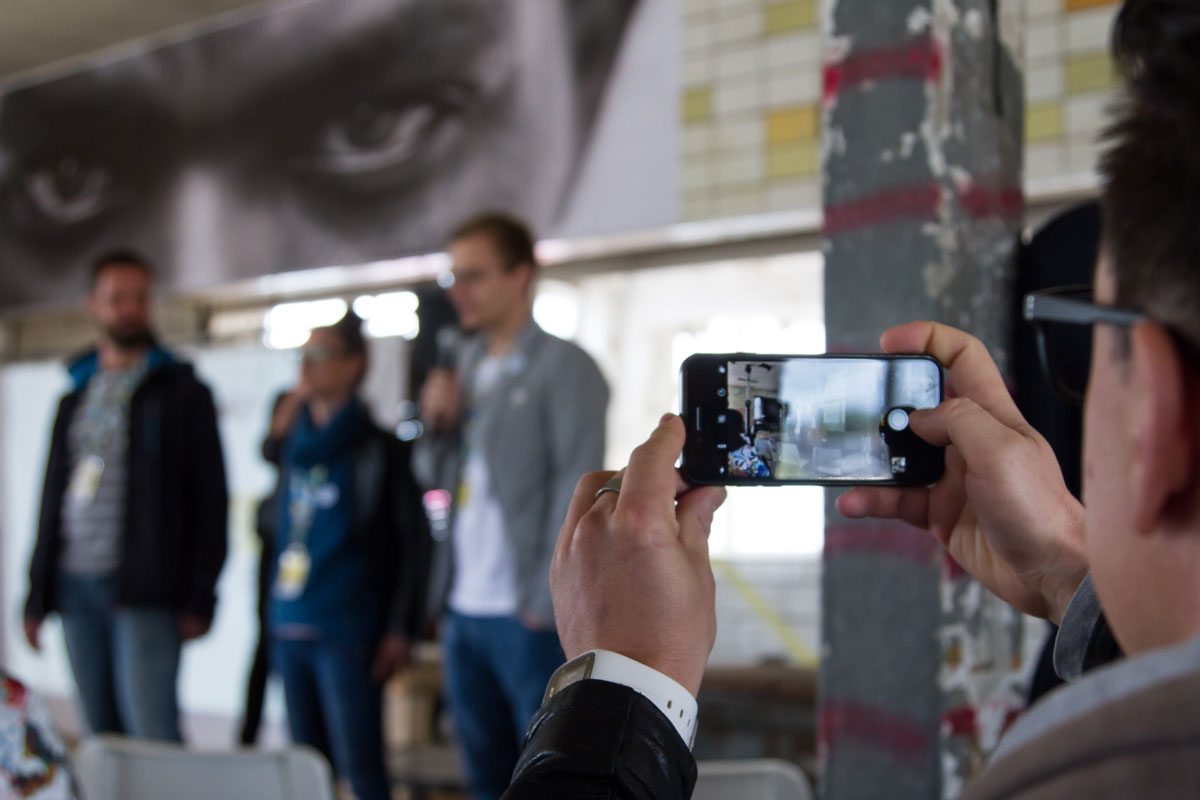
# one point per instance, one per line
(132, 530)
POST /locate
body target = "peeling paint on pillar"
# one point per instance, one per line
(922, 159)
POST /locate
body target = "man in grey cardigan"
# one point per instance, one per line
(514, 423)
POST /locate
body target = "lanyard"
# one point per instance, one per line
(104, 408)
(303, 498)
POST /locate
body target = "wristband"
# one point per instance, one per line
(665, 693)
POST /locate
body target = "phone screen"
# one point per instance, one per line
(761, 420)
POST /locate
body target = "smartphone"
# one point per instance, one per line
(833, 420)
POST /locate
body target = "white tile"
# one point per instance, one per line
(1035, 9)
(740, 170)
(743, 133)
(736, 204)
(727, 9)
(697, 71)
(746, 26)
(1083, 155)
(1087, 114)
(697, 139)
(739, 61)
(1044, 83)
(1089, 30)
(794, 49)
(1046, 160)
(695, 209)
(738, 97)
(801, 87)
(1042, 42)
(698, 37)
(697, 174)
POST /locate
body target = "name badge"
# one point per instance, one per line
(294, 566)
(85, 480)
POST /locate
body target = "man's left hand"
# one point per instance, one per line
(631, 572)
(192, 626)
(393, 655)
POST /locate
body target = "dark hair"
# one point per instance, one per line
(349, 332)
(120, 258)
(510, 236)
(1151, 197)
(350, 337)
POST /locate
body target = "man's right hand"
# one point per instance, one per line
(288, 409)
(441, 400)
(1002, 509)
(33, 627)
(631, 571)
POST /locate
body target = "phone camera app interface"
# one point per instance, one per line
(823, 418)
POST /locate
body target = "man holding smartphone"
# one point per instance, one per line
(1130, 558)
(516, 419)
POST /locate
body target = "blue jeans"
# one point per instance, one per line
(335, 707)
(125, 660)
(496, 675)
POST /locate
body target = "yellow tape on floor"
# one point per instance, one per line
(797, 649)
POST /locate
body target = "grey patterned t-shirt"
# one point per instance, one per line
(93, 510)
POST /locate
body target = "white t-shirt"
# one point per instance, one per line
(485, 582)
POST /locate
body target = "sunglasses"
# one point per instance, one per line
(316, 354)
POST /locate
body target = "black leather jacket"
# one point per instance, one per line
(597, 740)
(602, 741)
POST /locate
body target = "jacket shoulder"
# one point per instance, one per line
(1145, 744)
(564, 353)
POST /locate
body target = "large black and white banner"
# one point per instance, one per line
(339, 132)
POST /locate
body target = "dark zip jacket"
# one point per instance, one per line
(176, 506)
(388, 525)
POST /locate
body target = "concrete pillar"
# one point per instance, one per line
(922, 192)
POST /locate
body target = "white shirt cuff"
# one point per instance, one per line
(667, 694)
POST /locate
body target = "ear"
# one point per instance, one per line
(528, 274)
(1162, 425)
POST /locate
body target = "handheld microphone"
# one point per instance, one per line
(447, 339)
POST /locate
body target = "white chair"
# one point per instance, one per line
(752, 779)
(115, 768)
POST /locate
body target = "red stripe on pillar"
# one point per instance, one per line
(1004, 202)
(845, 721)
(906, 202)
(979, 201)
(900, 541)
(919, 59)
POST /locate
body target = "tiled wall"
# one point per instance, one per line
(752, 88)
(1069, 82)
(751, 115)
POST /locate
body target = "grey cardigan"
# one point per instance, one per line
(543, 427)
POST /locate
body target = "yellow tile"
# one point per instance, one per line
(1043, 121)
(789, 15)
(793, 160)
(1079, 5)
(697, 104)
(798, 123)
(1090, 72)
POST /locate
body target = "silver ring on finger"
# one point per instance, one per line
(611, 485)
